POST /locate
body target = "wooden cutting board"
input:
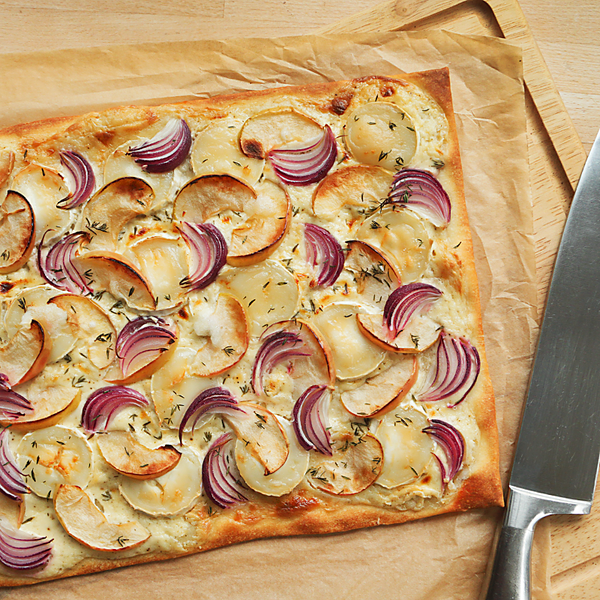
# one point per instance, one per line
(556, 157)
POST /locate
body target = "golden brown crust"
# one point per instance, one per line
(305, 510)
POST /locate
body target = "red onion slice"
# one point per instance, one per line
(12, 404)
(141, 342)
(324, 252)
(406, 301)
(423, 193)
(276, 348)
(308, 164)
(57, 266)
(213, 401)
(103, 404)
(209, 253)
(456, 371)
(166, 150)
(22, 550)
(221, 478)
(12, 481)
(451, 442)
(310, 422)
(82, 179)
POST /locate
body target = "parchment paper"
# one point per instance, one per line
(442, 558)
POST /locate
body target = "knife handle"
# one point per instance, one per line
(510, 573)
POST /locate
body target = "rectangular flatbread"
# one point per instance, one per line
(247, 316)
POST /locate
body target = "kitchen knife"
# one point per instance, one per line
(556, 460)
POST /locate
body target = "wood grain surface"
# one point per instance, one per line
(566, 32)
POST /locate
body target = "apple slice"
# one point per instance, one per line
(380, 133)
(52, 396)
(120, 165)
(163, 262)
(52, 456)
(358, 186)
(267, 209)
(7, 162)
(263, 435)
(285, 479)
(353, 354)
(17, 232)
(258, 427)
(375, 276)
(274, 128)
(354, 466)
(112, 207)
(216, 150)
(122, 451)
(420, 333)
(91, 324)
(403, 237)
(12, 511)
(407, 450)
(224, 332)
(173, 493)
(84, 521)
(25, 354)
(113, 272)
(268, 292)
(44, 188)
(301, 352)
(383, 392)
(143, 346)
(33, 305)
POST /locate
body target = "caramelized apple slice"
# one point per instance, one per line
(407, 450)
(52, 396)
(403, 237)
(124, 453)
(163, 262)
(85, 522)
(17, 232)
(285, 479)
(113, 272)
(52, 456)
(268, 292)
(108, 211)
(267, 210)
(26, 354)
(354, 466)
(380, 133)
(357, 186)
(173, 493)
(216, 150)
(420, 333)
(272, 129)
(384, 391)
(354, 355)
(44, 188)
(225, 333)
(91, 324)
(375, 276)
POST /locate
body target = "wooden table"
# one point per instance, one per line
(565, 30)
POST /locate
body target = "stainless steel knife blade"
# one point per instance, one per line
(556, 460)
